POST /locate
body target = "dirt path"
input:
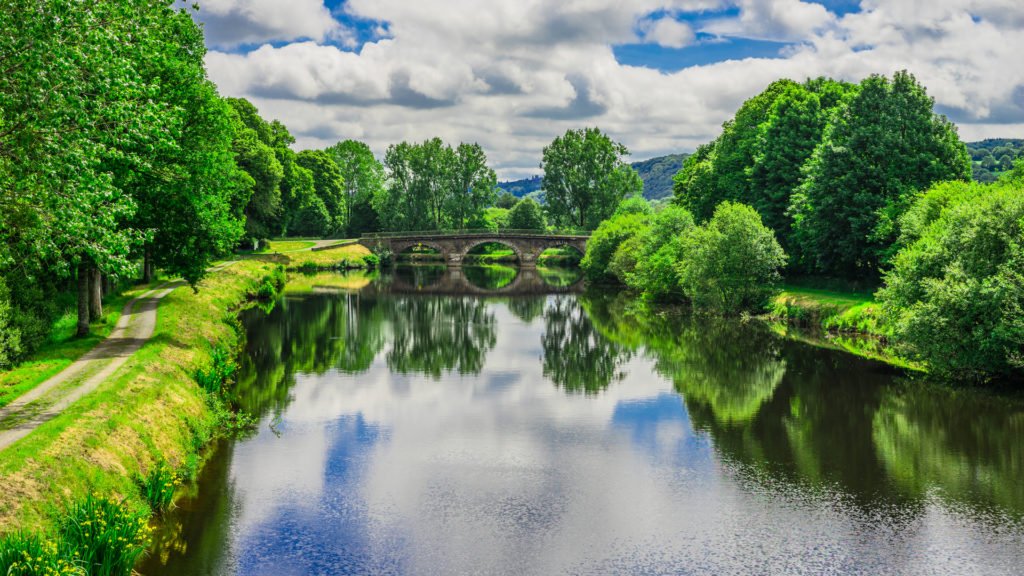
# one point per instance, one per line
(46, 401)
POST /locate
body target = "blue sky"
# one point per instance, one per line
(659, 75)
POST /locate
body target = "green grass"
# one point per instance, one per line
(281, 246)
(351, 256)
(62, 347)
(830, 309)
(151, 410)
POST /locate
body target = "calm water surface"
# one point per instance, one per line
(495, 422)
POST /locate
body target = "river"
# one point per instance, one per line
(500, 422)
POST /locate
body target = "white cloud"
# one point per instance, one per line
(668, 32)
(231, 23)
(781, 20)
(517, 73)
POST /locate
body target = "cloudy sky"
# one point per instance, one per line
(659, 75)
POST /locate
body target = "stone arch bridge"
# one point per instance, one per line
(528, 245)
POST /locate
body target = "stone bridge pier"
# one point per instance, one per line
(455, 246)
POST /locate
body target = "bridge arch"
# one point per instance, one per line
(472, 244)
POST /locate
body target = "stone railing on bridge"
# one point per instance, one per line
(455, 244)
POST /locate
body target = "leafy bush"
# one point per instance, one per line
(731, 264)
(606, 240)
(271, 284)
(371, 261)
(955, 292)
(655, 273)
(526, 215)
(107, 538)
(625, 259)
(634, 205)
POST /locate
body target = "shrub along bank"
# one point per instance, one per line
(112, 454)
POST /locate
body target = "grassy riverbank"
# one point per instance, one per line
(348, 257)
(851, 321)
(150, 412)
(831, 310)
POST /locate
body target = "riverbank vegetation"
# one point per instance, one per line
(862, 183)
(152, 414)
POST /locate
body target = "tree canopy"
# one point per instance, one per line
(585, 178)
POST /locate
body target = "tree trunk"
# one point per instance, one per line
(83, 298)
(95, 295)
(147, 267)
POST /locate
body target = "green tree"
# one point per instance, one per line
(883, 145)
(694, 186)
(585, 178)
(655, 274)
(255, 155)
(434, 187)
(329, 186)
(526, 215)
(473, 187)
(505, 200)
(956, 288)
(364, 180)
(604, 242)
(731, 264)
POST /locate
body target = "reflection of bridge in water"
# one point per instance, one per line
(455, 282)
(454, 246)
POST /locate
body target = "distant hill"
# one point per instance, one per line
(992, 157)
(656, 173)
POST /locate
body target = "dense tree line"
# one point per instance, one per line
(110, 151)
(118, 158)
(830, 166)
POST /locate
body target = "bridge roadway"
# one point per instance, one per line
(528, 245)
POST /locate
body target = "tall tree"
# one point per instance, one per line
(253, 139)
(882, 147)
(474, 186)
(329, 186)
(433, 187)
(585, 178)
(76, 107)
(364, 180)
(186, 195)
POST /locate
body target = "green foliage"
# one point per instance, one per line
(506, 200)
(606, 240)
(987, 158)
(655, 273)
(263, 172)
(158, 487)
(585, 178)
(220, 373)
(10, 332)
(329, 186)
(364, 180)
(432, 186)
(29, 555)
(731, 265)
(107, 538)
(495, 219)
(526, 215)
(956, 289)
(883, 145)
(634, 205)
